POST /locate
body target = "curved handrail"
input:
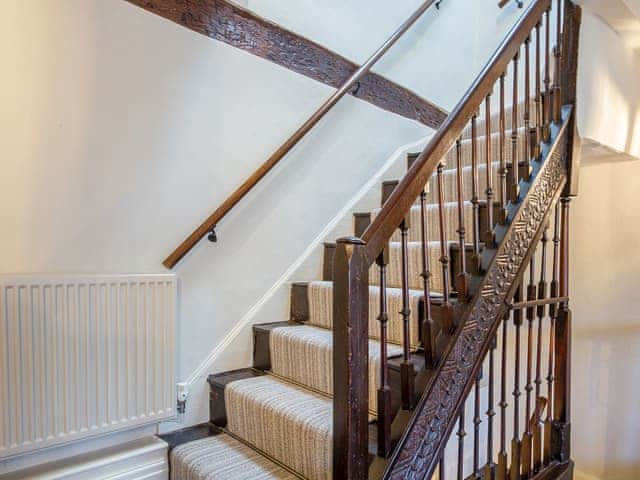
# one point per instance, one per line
(404, 195)
(210, 223)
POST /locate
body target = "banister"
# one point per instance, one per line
(503, 3)
(292, 141)
(395, 208)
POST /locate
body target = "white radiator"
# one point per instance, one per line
(83, 355)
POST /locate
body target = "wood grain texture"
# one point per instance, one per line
(434, 420)
(444, 139)
(226, 22)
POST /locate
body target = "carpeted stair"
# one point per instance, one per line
(275, 419)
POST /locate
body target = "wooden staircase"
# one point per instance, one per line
(438, 341)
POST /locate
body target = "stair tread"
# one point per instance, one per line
(225, 458)
(288, 422)
(312, 347)
(320, 295)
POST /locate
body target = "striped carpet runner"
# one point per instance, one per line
(279, 425)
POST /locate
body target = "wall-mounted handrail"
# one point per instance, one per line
(503, 3)
(209, 224)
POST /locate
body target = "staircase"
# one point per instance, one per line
(446, 311)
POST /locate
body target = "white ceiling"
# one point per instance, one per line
(621, 15)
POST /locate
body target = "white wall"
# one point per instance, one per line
(438, 58)
(122, 131)
(608, 89)
(604, 285)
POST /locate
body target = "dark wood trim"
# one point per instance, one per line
(350, 360)
(241, 28)
(435, 417)
(189, 434)
(569, 80)
(422, 169)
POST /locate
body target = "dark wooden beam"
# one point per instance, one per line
(236, 26)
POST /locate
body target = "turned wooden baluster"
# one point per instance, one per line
(475, 199)
(503, 161)
(526, 148)
(542, 294)
(488, 469)
(461, 434)
(538, 99)
(384, 391)
(546, 103)
(406, 367)
(477, 421)
(527, 441)
(553, 314)
(489, 235)
(557, 97)
(560, 433)
(501, 472)
(462, 280)
(516, 445)
(515, 177)
(428, 340)
(447, 308)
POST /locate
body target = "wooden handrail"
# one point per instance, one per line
(503, 3)
(395, 208)
(210, 223)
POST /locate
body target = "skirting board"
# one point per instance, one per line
(144, 459)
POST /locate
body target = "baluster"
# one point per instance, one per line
(562, 367)
(538, 99)
(527, 442)
(461, 434)
(384, 391)
(515, 177)
(441, 467)
(553, 313)
(428, 340)
(526, 148)
(447, 308)
(489, 234)
(557, 100)
(462, 283)
(475, 199)
(488, 469)
(546, 103)
(477, 421)
(542, 294)
(515, 443)
(406, 367)
(501, 473)
(503, 160)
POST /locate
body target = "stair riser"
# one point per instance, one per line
(302, 314)
(262, 361)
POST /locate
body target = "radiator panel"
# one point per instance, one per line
(84, 355)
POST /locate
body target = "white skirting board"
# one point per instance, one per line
(144, 459)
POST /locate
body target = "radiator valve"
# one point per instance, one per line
(182, 390)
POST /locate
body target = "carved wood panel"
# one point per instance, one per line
(437, 413)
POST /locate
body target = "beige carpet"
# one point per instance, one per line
(320, 296)
(287, 422)
(313, 350)
(222, 458)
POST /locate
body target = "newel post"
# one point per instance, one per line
(561, 426)
(350, 359)
(568, 80)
